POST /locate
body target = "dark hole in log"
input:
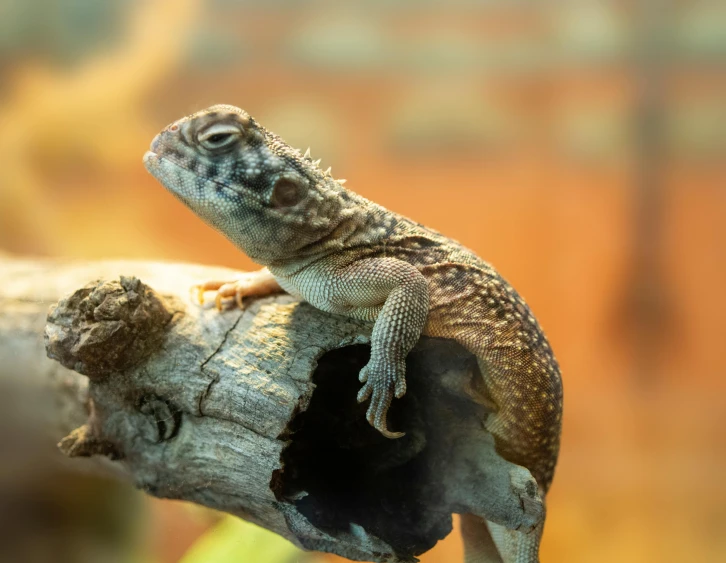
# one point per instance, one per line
(352, 474)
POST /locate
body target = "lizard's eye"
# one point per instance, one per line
(218, 136)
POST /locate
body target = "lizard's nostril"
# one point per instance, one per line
(174, 128)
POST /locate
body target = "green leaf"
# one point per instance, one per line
(235, 541)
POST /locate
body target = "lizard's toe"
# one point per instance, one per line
(380, 390)
(234, 290)
(246, 284)
(197, 294)
(377, 419)
(201, 288)
(224, 289)
(365, 393)
(363, 377)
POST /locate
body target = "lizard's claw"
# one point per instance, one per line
(224, 290)
(379, 387)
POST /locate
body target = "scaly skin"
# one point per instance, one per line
(347, 255)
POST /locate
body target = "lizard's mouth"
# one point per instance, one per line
(152, 159)
(149, 157)
(153, 164)
(171, 175)
(165, 170)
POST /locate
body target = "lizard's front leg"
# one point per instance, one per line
(259, 283)
(394, 294)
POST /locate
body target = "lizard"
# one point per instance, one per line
(347, 255)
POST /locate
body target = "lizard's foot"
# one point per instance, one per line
(247, 284)
(380, 383)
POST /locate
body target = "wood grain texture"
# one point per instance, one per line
(254, 413)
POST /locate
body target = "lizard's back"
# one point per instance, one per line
(472, 304)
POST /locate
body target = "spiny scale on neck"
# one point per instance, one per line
(359, 221)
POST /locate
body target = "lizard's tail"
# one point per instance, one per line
(479, 546)
(487, 542)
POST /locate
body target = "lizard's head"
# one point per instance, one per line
(265, 196)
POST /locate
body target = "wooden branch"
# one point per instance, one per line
(254, 412)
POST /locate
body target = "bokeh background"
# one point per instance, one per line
(578, 146)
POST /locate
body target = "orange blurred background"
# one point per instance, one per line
(579, 147)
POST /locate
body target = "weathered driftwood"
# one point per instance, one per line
(254, 413)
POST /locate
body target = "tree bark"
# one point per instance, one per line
(253, 412)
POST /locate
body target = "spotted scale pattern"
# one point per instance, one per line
(347, 255)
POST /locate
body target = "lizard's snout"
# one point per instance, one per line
(166, 137)
(155, 143)
(151, 158)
